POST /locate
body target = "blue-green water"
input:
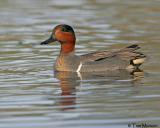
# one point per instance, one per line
(33, 96)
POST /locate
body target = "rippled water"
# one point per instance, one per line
(33, 96)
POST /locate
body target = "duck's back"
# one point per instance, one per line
(113, 60)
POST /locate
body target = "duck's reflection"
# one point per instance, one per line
(69, 81)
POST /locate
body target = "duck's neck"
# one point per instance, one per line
(67, 47)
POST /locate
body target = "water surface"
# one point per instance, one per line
(33, 96)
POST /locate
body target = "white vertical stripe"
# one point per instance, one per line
(79, 67)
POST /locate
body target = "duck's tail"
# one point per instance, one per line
(138, 57)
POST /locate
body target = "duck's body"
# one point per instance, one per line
(126, 58)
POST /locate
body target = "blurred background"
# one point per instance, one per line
(31, 95)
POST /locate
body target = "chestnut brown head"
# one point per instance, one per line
(62, 33)
(65, 35)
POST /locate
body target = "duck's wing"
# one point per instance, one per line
(127, 54)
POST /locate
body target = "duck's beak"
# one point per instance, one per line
(50, 40)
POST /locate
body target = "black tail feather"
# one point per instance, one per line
(134, 46)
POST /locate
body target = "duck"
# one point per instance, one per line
(127, 58)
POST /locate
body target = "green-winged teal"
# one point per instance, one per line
(125, 58)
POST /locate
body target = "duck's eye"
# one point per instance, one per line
(64, 29)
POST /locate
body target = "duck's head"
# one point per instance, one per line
(65, 35)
